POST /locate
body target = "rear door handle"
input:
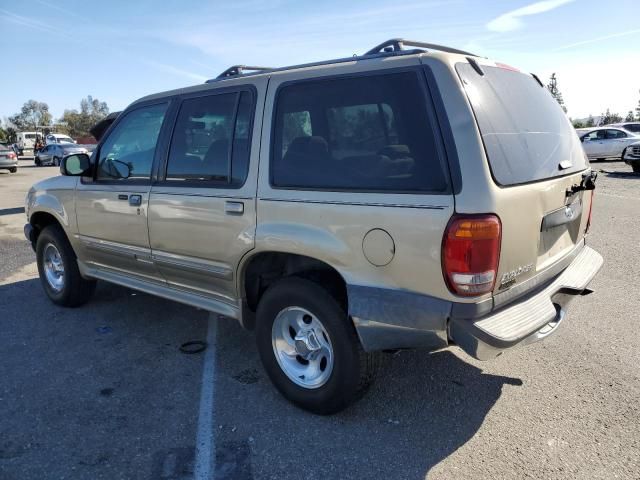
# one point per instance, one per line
(234, 208)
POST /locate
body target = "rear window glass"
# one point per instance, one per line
(525, 132)
(370, 133)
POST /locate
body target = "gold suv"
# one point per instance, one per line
(417, 196)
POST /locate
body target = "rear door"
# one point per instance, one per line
(535, 158)
(202, 213)
(112, 208)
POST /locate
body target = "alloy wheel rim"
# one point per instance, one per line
(302, 347)
(53, 267)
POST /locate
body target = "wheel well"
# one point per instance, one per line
(266, 268)
(41, 220)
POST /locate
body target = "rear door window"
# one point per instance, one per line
(211, 140)
(526, 134)
(368, 133)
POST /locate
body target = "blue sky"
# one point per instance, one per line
(60, 51)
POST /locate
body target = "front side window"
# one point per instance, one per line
(128, 151)
(211, 140)
(369, 133)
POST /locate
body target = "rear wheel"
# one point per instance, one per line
(58, 269)
(309, 347)
(56, 162)
(37, 161)
(13, 170)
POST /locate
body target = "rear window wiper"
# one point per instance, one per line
(588, 182)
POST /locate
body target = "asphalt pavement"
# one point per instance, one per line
(104, 392)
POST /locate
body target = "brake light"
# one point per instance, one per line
(470, 253)
(590, 211)
(11, 155)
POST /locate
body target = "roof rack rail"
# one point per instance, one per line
(240, 69)
(397, 44)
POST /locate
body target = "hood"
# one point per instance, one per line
(99, 129)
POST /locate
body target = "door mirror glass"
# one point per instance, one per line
(116, 169)
(75, 165)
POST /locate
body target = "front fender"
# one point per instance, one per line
(56, 197)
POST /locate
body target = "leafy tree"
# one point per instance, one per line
(609, 118)
(638, 110)
(33, 114)
(630, 117)
(578, 124)
(590, 122)
(78, 123)
(552, 86)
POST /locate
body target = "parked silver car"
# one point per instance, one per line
(607, 143)
(8, 159)
(632, 156)
(52, 154)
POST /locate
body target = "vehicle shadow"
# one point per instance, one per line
(422, 408)
(616, 174)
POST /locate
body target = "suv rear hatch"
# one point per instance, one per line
(535, 158)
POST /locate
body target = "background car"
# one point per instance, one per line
(58, 138)
(52, 154)
(632, 156)
(8, 159)
(633, 127)
(607, 143)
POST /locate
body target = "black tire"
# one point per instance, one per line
(635, 166)
(56, 162)
(353, 368)
(13, 170)
(37, 161)
(75, 290)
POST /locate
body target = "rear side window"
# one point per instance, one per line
(371, 133)
(211, 140)
(526, 134)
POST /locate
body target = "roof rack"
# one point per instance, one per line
(397, 44)
(241, 69)
(390, 47)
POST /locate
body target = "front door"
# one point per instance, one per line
(112, 209)
(202, 210)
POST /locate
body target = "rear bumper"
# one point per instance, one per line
(8, 163)
(393, 319)
(530, 319)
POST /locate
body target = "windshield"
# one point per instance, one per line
(526, 134)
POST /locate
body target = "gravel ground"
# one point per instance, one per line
(103, 391)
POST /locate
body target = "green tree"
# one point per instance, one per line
(78, 123)
(32, 115)
(590, 122)
(630, 117)
(609, 118)
(638, 110)
(578, 124)
(552, 86)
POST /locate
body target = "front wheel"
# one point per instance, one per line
(56, 162)
(37, 161)
(58, 269)
(310, 348)
(635, 166)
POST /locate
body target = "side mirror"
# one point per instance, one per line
(585, 139)
(115, 169)
(75, 165)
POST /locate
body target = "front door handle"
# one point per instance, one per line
(135, 200)
(234, 208)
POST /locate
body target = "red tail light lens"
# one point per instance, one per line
(590, 211)
(470, 254)
(11, 155)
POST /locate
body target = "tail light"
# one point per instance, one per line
(11, 155)
(470, 253)
(590, 212)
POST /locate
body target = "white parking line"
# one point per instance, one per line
(205, 461)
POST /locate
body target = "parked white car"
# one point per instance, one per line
(58, 138)
(632, 156)
(607, 143)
